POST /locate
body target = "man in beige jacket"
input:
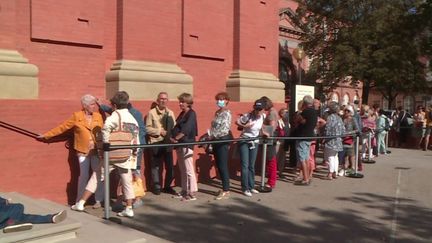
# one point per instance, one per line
(159, 122)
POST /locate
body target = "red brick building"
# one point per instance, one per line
(53, 52)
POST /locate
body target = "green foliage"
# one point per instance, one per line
(377, 42)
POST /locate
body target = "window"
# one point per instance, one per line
(335, 97)
(408, 104)
(345, 99)
(385, 103)
(355, 98)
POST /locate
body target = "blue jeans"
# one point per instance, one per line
(17, 216)
(247, 158)
(221, 158)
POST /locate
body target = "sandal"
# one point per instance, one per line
(302, 183)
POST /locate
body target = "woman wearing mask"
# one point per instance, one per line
(221, 130)
(250, 124)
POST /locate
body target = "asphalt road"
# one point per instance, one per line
(392, 203)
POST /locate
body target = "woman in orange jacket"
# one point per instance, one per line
(86, 124)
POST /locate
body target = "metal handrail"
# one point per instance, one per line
(107, 147)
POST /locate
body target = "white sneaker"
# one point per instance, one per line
(128, 212)
(341, 172)
(247, 193)
(77, 207)
(17, 228)
(59, 217)
(254, 191)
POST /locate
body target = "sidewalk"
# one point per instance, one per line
(392, 203)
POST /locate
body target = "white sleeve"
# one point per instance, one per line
(111, 124)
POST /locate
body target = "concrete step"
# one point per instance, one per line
(65, 230)
(93, 229)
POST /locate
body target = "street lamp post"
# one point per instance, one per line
(299, 54)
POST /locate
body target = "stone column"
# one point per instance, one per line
(145, 30)
(143, 80)
(255, 52)
(18, 78)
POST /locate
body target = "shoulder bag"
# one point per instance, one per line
(120, 137)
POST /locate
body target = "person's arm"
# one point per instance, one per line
(110, 125)
(66, 125)
(150, 129)
(106, 108)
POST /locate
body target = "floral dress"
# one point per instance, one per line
(334, 127)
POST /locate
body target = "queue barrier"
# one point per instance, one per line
(262, 140)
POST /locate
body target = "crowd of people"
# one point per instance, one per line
(96, 123)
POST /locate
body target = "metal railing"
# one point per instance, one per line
(262, 140)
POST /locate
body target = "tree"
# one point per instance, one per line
(378, 43)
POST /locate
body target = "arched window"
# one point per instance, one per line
(335, 97)
(408, 104)
(345, 99)
(385, 103)
(355, 98)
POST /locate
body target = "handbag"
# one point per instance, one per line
(138, 187)
(348, 140)
(120, 137)
(208, 148)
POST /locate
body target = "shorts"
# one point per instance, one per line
(302, 150)
(428, 130)
(349, 151)
(420, 132)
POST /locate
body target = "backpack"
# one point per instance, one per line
(123, 136)
(387, 124)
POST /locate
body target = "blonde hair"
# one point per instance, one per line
(186, 98)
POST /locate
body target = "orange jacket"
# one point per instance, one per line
(83, 132)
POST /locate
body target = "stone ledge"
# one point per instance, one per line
(143, 80)
(65, 230)
(248, 86)
(18, 78)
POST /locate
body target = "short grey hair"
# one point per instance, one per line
(87, 99)
(333, 107)
(308, 100)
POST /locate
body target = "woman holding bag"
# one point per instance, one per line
(221, 130)
(250, 124)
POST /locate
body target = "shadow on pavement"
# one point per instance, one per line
(252, 221)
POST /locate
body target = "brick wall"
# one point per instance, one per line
(74, 50)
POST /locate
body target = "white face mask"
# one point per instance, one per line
(220, 103)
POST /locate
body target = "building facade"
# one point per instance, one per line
(53, 52)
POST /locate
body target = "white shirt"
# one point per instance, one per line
(112, 124)
(254, 129)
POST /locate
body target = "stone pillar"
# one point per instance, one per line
(144, 80)
(18, 78)
(249, 86)
(145, 30)
(255, 52)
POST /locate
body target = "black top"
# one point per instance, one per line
(186, 123)
(307, 129)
